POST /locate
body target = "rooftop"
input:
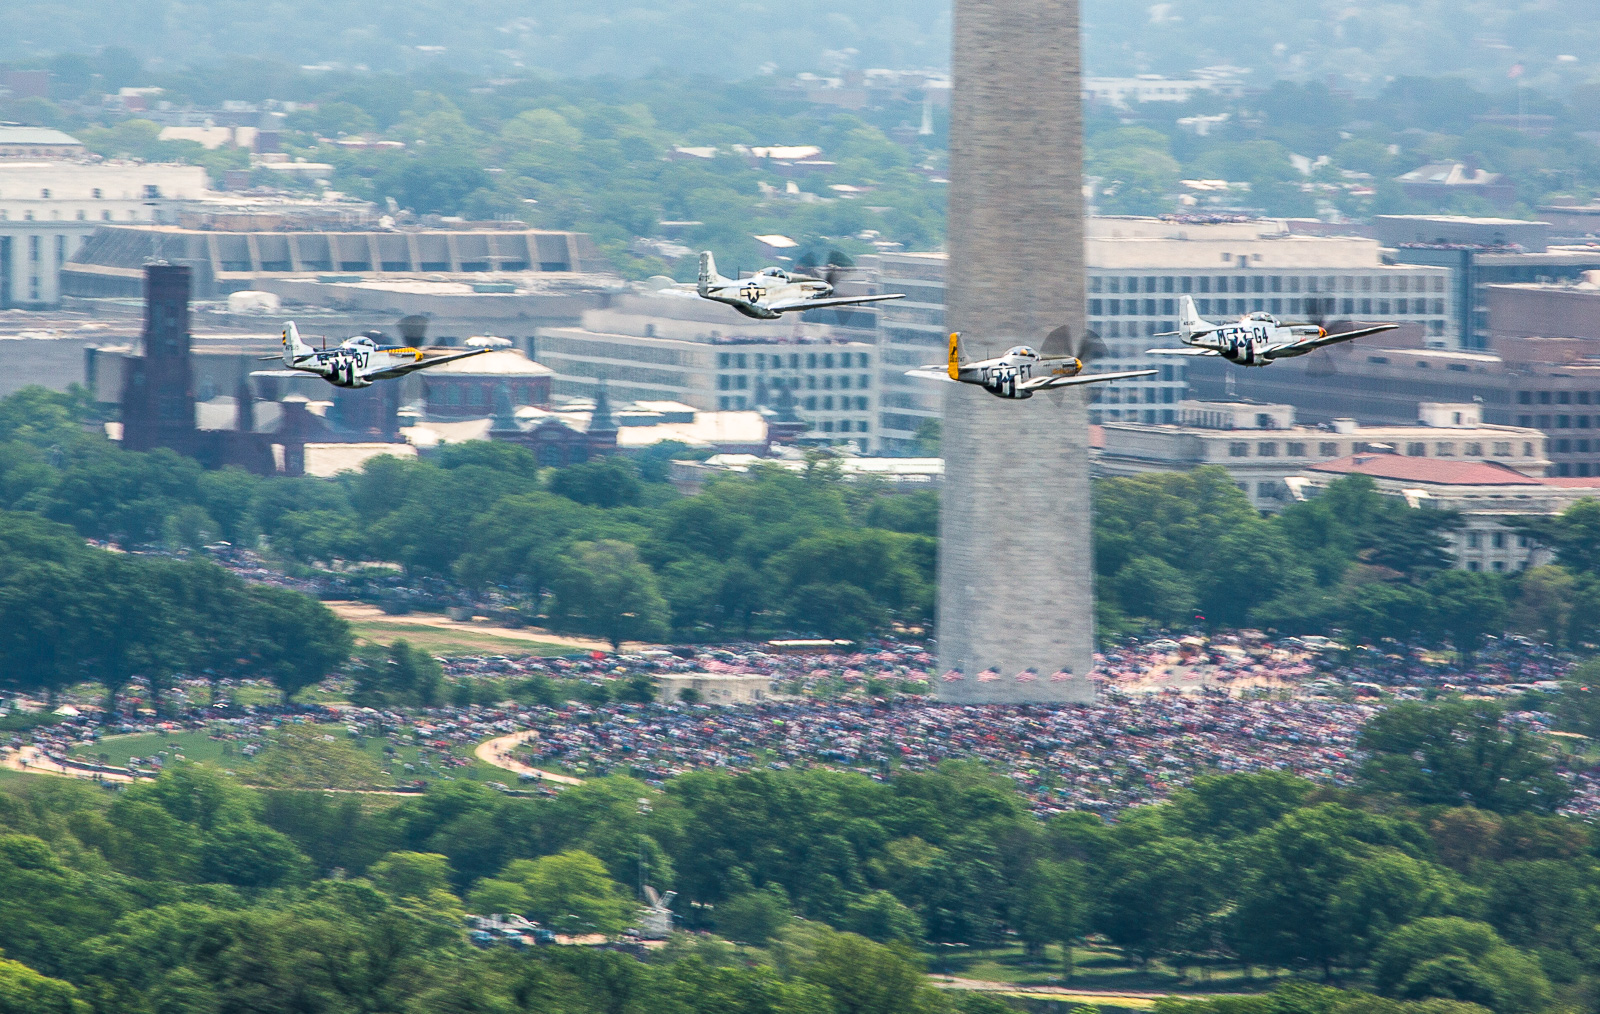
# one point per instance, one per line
(1435, 471)
(34, 135)
(500, 363)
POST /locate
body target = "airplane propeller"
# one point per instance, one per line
(414, 328)
(1318, 317)
(1087, 348)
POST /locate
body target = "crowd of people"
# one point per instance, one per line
(1166, 711)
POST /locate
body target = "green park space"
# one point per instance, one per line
(447, 641)
(362, 756)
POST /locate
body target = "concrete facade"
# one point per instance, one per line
(1015, 570)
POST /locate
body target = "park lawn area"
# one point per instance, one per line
(199, 746)
(449, 641)
(1093, 968)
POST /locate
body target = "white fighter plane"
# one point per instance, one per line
(358, 361)
(1257, 339)
(772, 292)
(1022, 372)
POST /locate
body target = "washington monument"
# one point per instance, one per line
(1016, 584)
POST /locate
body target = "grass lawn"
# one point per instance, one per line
(199, 746)
(1093, 969)
(449, 640)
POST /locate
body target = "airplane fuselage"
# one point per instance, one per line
(1005, 376)
(751, 296)
(352, 365)
(1246, 342)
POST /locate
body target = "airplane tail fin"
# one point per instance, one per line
(955, 355)
(1189, 320)
(708, 271)
(293, 348)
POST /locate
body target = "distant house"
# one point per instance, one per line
(1439, 182)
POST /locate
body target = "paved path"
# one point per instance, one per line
(498, 753)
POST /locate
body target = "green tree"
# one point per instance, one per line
(1467, 606)
(1158, 893)
(1151, 587)
(753, 918)
(24, 991)
(292, 639)
(1459, 960)
(1322, 886)
(1047, 906)
(399, 674)
(572, 893)
(1459, 752)
(603, 588)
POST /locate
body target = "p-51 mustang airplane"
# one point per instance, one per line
(1257, 339)
(772, 292)
(1022, 372)
(358, 361)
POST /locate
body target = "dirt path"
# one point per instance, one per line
(498, 753)
(361, 612)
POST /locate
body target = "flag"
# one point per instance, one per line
(1517, 71)
(988, 676)
(1060, 676)
(1027, 676)
(952, 675)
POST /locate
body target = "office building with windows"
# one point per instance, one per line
(1548, 384)
(1139, 269)
(668, 347)
(911, 333)
(48, 209)
(1262, 446)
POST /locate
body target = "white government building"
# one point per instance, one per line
(48, 209)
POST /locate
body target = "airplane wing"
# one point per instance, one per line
(932, 373)
(282, 373)
(1300, 348)
(1050, 383)
(423, 364)
(1190, 351)
(812, 304)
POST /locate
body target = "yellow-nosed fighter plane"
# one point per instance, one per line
(1023, 372)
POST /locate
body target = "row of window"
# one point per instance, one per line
(1265, 283)
(1554, 397)
(1115, 394)
(1496, 540)
(813, 403)
(1582, 468)
(55, 216)
(1415, 449)
(1557, 422)
(775, 360)
(1168, 307)
(1565, 446)
(152, 192)
(741, 382)
(1149, 415)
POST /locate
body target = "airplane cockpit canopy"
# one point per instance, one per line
(773, 273)
(1022, 350)
(1263, 316)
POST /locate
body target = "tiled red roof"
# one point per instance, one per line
(1574, 481)
(1097, 437)
(1439, 471)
